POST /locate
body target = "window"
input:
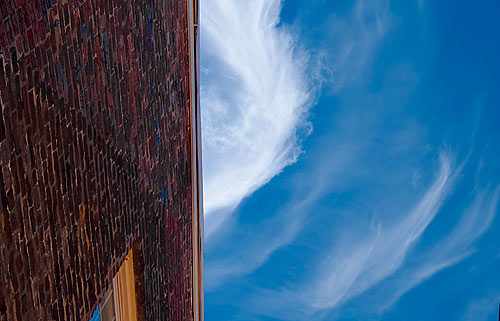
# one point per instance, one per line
(96, 316)
(119, 303)
(107, 307)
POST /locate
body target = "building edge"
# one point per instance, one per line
(196, 161)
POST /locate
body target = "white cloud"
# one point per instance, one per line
(357, 263)
(482, 309)
(453, 248)
(355, 38)
(255, 244)
(358, 266)
(255, 95)
(253, 250)
(421, 4)
(379, 263)
(255, 99)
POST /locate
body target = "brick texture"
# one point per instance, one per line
(95, 155)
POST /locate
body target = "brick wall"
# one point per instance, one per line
(95, 155)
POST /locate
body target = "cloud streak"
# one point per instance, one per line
(378, 264)
(372, 217)
(356, 36)
(256, 243)
(453, 248)
(255, 248)
(360, 265)
(255, 96)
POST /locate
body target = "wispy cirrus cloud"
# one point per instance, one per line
(482, 309)
(255, 248)
(372, 216)
(255, 94)
(355, 37)
(253, 245)
(378, 262)
(360, 265)
(237, 163)
(355, 265)
(454, 247)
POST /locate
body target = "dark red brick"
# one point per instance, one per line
(83, 163)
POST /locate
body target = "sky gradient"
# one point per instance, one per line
(351, 154)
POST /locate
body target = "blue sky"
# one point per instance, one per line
(351, 159)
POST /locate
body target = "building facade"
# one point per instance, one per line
(100, 163)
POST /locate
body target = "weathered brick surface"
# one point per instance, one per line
(94, 155)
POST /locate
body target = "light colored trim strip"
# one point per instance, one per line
(197, 175)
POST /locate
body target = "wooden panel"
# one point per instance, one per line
(124, 291)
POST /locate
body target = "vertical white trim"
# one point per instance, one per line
(117, 298)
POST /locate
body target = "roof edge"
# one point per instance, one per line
(196, 163)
